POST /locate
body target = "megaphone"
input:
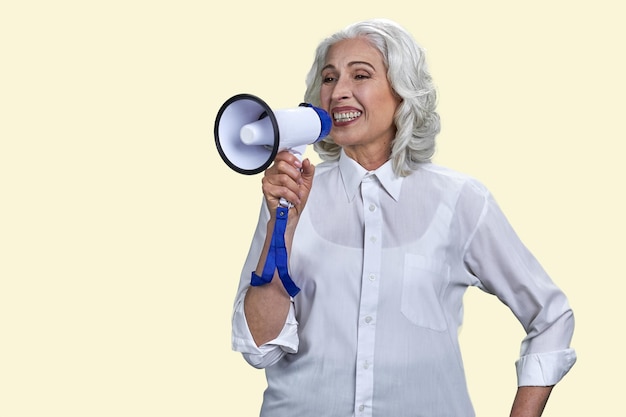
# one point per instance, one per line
(249, 134)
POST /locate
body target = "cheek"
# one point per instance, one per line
(392, 104)
(324, 96)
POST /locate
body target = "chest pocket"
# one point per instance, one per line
(423, 284)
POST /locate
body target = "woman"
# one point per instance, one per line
(383, 254)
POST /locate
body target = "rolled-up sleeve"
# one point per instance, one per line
(544, 369)
(270, 352)
(505, 267)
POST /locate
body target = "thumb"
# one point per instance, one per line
(306, 182)
(308, 170)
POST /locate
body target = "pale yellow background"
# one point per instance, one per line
(122, 233)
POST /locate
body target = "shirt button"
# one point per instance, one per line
(372, 207)
(373, 239)
(366, 365)
(368, 319)
(372, 277)
(361, 408)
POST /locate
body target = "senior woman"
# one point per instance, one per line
(382, 255)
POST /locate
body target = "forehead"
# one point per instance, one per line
(349, 51)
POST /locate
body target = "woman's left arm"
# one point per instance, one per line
(530, 401)
(503, 266)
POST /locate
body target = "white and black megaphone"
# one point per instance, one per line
(249, 134)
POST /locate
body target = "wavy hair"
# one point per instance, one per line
(416, 119)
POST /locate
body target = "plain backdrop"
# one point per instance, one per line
(122, 233)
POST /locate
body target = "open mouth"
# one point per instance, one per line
(346, 116)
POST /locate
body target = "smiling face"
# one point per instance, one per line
(357, 94)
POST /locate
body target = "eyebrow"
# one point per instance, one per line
(350, 64)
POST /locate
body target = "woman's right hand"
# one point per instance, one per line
(288, 178)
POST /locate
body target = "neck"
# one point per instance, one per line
(368, 158)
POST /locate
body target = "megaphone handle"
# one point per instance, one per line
(297, 151)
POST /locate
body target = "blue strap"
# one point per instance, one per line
(277, 257)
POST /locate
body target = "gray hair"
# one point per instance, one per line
(416, 120)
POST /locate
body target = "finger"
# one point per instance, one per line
(276, 187)
(284, 168)
(289, 158)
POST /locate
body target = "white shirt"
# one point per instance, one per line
(383, 263)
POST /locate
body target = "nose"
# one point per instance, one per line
(341, 90)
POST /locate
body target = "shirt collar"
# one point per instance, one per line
(352, 174)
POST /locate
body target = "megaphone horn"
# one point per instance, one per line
(249, 134)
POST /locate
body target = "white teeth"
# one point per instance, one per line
(346, 117)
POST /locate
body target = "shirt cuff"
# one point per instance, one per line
(544, 369)
(270, 352)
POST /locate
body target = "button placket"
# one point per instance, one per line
(372, 218)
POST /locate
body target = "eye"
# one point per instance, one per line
(361, 77)
(328, 79)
